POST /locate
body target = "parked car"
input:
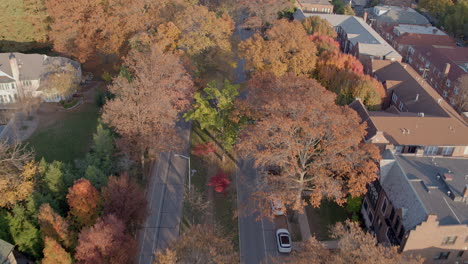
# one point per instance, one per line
(283, 240)
(277, 206)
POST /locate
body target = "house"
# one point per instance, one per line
(441, 66)
(21, 76)
(415, 119)
(399, 3)
(420, 205)
(385, 15)
(6, 253)
(315, 6)
(358, 38)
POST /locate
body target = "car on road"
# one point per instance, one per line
(283, 240)
(277, 206)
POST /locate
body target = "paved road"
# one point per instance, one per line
(257, 236)
(165, 195)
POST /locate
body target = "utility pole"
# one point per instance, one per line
(190, 172)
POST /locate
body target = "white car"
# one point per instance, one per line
(277, 206)
(283, 239)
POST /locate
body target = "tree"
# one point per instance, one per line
(455, 19)
(315, 146)
(315, 25)
(54, 226)
(145, 108)
(200, 244)
(60, 80)
(26, 235)
(263, 12)
(219, 182)
(125, 199)
(338, 6)
(283, 48)
(106, 242)
(435, 7)
(54, 253)
(354, 246)
(84, 202)
(204, 149)
(348, 10)
(325, 43)
(214, 110)
(461, 98)
(84, 29)
(17, 173)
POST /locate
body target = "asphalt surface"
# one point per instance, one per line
(165, 196)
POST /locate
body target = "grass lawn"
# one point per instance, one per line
(320, 219)
(69, 137)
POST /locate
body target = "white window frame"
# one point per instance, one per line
(446, 151)
(400, 106)
(456, 90)
(444, 93)
(447, 83)
(394, 98)
(431, 150)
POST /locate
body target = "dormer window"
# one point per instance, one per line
(401, 106)
(394, 98)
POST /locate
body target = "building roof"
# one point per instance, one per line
(317, 2)
(5, 250)
(401, 193)
(439, 55)
(395, 14)
(31, 66)
(359, 33)
(401, 3)
(417, 29)
(426, 177)
(362, 112)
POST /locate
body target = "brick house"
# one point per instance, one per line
(415, 119)
(315, 6)
(358, 38)
(420, 204)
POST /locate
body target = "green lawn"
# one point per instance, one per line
(320, 219)
(68, 138)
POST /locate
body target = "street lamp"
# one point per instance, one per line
(190, 172)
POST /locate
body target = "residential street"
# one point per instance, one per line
(165, 195)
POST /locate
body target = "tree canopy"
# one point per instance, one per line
(319, 26)
(84, 201)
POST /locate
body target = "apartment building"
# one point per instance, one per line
(315, 6)
(358, 38)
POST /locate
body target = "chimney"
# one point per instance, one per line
(446, 69)
(465, 191)
(365, 16)
(417, 97)
(14, 66)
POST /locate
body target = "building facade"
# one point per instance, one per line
(315, 6)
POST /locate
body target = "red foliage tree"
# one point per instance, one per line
(325, 43)
(54, 226)
(124, 198)
(203, 149)
(84, 202)
(219, 182)
(54, 253)
(105, 242)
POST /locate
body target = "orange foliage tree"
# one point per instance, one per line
(54, 253)
(106, 242)
(147, 104)
(315, 143)
(283, 48)
(124, 198)
(54, 226)
(84, 201)
(315, 25)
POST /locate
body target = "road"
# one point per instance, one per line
(165, 195)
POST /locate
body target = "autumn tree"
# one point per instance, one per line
(106, 242)
(325, 43)
(348, 10)
(54, 253)
(147, 105)
(461, 97)
(54, 226)
(219, 182)
(86, 28)
(125, 199)
(200, 244)
(354, 247)
(17, 173)
(283, 48)
(263, 12)
(436, 7)
(319, 26)
(315, 144)
(84, 201)
(214, 110)
(60, 80)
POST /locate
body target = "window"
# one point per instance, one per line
(442, 255)
(460, 253)
(452, 102)
(447, 151)
(447, 83)
(456, 90)
(430, 150)
(450, 240)
(401, 106)
(394, 98)
(384, 206)
(444, 93)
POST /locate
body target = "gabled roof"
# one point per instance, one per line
(395, 14)
(418, 29)
(5, 250)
